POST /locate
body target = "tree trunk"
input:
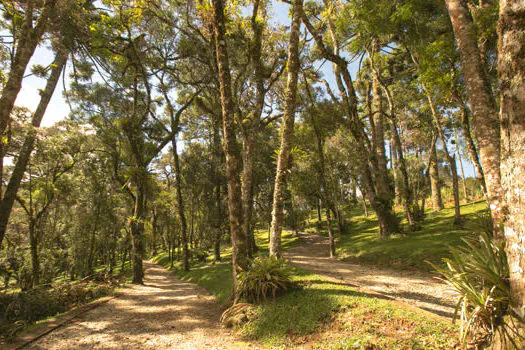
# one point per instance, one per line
(511, 71)
(33, 243)
(327, 195)
(283, 162)
(92, 242)
(437, 201)
(180, 205)
(405, 186)
(6, 204)
(462, 171)
(253, 124)
(381, 175)
(137, 233)
(231, 150)
(471, 149)
(217, 180)
(482, 103)
(451, 159)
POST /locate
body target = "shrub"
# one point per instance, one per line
(265, 276)
(479, 272)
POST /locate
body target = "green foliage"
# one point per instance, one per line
(479, 272)
(40, 303)
(265, 276)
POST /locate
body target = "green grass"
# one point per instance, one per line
(321, 310)
(405, 251)
(329, 315)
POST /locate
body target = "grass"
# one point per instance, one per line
(411, 250)
(325, 314)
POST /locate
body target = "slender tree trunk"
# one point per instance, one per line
(6, 204)
(451, 160)
(381, 176)
(482, 103)
(137, 233)
(511, 71)
(283, 162)
(33, 244)
(180, 206)
(437, 201)
(218, 206)
(472, 150)
(325, 190)
(462, 171)
(253, 125)
(395, 171)
(405, 186)
(238, 236)
(92, 242)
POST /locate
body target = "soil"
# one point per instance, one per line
(421, 290)
(164, 313)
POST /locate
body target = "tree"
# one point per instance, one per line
(511, 72)
(238, 236)
(283, 160)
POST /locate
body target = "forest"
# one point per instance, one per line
(219, 174)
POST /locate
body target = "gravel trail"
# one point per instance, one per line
(164, 313)
(411, 287)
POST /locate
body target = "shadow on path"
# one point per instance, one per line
(164, 313)
(412, 287)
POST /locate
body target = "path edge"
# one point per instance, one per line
(38, 331)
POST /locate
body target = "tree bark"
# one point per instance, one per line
(511, 71)
(231, 149)
(482, 103)
(283, 161)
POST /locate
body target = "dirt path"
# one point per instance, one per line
(164, 313)
(412, 287)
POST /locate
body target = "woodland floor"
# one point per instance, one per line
(412, 287)
(163, 313)
(167, 312)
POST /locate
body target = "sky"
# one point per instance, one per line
(58, 109)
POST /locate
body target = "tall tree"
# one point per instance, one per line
(231, 149)
(283, 160)
(482, 102)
